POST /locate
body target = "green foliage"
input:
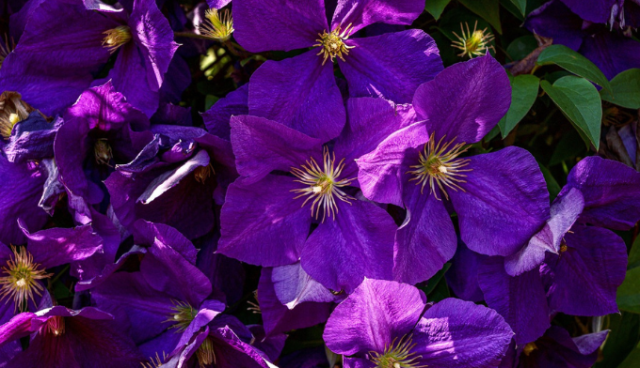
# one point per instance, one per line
(436, 7)
(625, 89)
(573, 62)
(580, 102)
(521, 5)
(524, 90)
(489, 10)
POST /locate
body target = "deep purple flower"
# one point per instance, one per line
(500, 198)
(176, 300)
(289, 181)
(102, 129)
(580, 26)
(65, 338)
(24, 268)
(385, 322)
(301, 92)
(65, 42)
(175, 179)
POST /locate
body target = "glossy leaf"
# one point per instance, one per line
(626, 89)
(436, 7)
(521, 5)
(579, 100)
(524, 89)
(573, 62)
(628, 296)
(489, 10)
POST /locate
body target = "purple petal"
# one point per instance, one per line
(300, 93)
(611, 53)
(558, 350)
(503, 202)
(371, 317)
(294, 286)
(381, 172)
(217, 118)
(586, 276)
(465, 101)
(556, 21)
(263, 229)
(597, 11)
(358, 243)
(456, 333)
(261, 146)
(31, 139)
(611, 192)
(425, 241)
(18, 327)
(392, 65)
(218, 4)
(227, 275)
(520, 300)
(462, 276)
(564, 212)
(277, 318)
(363, 13)
(58, 246)
(265, 25)
(230, 351)
(146, 233)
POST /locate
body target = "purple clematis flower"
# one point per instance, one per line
(301, 92)
(100, 130)
(500, 198)
(580, 26)
(24, 268)
(175, 179)
(388, 324)
(289, 181)
(65, 338)
(76, 38)
(176, 296)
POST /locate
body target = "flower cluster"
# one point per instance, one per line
(347, 184)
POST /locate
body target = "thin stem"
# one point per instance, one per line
(192, 35)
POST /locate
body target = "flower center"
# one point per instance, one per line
(116, 37)
(55, 326)
(6, 48)
(474, 43)
(323, 185)
(12, 111)
(332, 44)
(102, 152)
(440, 166)
(202, 173)
(217, 25)
(529, 348)
(397, 355)
(205, 353)
(155, 362)
(21, 280)
(183, 314)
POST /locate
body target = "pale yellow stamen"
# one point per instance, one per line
(440, 166)
(332, 44)
(205, 354)
(474, 43)
(6, 49)
(102, 152)
(217, 25)
(22, 278)
(323, 185)
(182, 315)
(155, 362)
(202, 173)
(12, 111)
(116, 37)
(397, 355)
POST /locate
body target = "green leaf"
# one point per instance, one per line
(573, 62)
(580, 102)
(628, 296)
(633, 359)
(433, 281)
(626, 89)
(521, 47)
(209, 101)
(436, 7)
(634, 254)
(569, 146)
(521, 4)
(524, 90)
(489, 10)
(623, 338)
(552, 185)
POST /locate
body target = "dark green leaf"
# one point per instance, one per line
(521, 47)
(580, 102)
(521, 4)
(433, 282)
(440, 292)
(569, 146)
(626, 89)
(209, 101)
(628, 296)
(552, 185)
(634, 254)
(633, 359)
(623, 338)
(573, 62)
(489, 10)
(436, 7)
(524, 89)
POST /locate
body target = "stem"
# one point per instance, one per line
(59, 274)
(192, 35)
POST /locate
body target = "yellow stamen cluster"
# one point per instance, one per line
(206, 354)
(474, 43)
(55, 326)
(440, 166)
(529, 348)
(102, 152)
(218, 25)
(116, 37)
(323, 185)
(155, 362)
(202, 173)
(332, 44)
(254, 306)
(397, 355)
(6, 48)
(22, 278)
(183, 314)
(12, 111)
